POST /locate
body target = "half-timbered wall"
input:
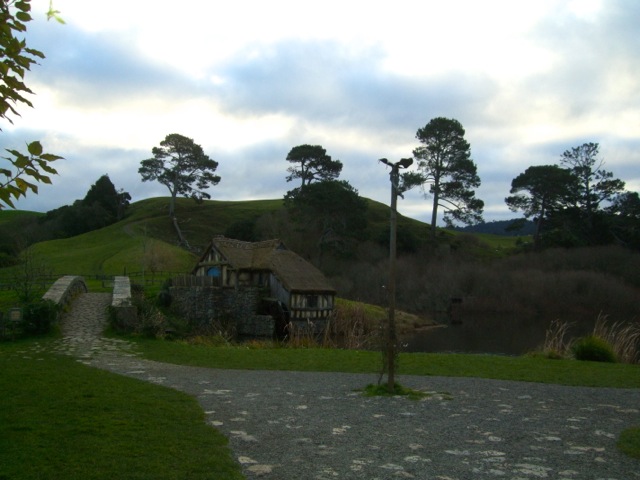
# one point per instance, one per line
(310, 306)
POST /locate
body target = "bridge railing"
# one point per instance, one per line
(123, 311)
(65, 289)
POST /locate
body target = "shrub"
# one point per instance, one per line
(148, 321)
(624, 338)
(165, 298)
(39, 317)
(151, 321)
(593, 348)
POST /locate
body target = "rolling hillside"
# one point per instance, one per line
(533, 288)
(147, 240)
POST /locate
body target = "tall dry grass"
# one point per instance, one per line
(350, 326)
(556, 345)
(623, 337)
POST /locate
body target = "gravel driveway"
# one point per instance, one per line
(294, 425)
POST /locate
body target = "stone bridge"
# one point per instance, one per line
(68, 287)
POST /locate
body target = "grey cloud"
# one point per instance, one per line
(94, 70)
(332, 84)
(323, 84)
(591, 56)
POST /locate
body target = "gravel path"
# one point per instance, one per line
(293, 425)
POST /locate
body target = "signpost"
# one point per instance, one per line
(391, 340)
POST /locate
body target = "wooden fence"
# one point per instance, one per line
(45, 281)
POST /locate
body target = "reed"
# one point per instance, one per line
(555, 343)
(351, 327)
(624, 338)
(302, 336)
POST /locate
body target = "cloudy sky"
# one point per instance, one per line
(248, 80)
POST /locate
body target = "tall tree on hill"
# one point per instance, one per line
(539, 192)
(104, 193)
(444, 161)
(324, 207)
(594, 184)
(332, 208)
(331, 211)
(182, 166)
(624, 214)
(311, 163)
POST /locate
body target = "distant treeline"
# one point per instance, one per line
(510, 228)
(102, 206)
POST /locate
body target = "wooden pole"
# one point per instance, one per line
(391, 330)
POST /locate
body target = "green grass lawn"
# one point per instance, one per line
(525, 368)
(629, 442)
(63, 420)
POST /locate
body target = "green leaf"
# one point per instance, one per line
(34, 52)
(35, 148)
(48, 169)
(21, 184)
(23, 6)
(15, 153)
(5, 197)
(23, 16)
(49, 157)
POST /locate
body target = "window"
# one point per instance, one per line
(312, 301)
(214, 272)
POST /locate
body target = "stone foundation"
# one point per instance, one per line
(208, 305)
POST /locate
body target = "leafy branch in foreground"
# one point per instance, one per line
(16, 59)
(34, 166)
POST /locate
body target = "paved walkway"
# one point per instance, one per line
(292, 425)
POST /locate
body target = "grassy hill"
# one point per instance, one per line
(147, 236)
(9, 216)
(571, 285)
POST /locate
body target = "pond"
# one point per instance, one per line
(494, 334)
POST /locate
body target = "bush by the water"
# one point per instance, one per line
(593, 348)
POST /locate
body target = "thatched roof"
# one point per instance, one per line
(246, 255)
(295, 273)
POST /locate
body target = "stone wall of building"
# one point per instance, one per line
(207, 305)
(257, 326)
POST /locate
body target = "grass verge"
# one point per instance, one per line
(383, 390)
(526, 368)
(629, 442)
(62, 420)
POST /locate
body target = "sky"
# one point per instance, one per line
(249, 80)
